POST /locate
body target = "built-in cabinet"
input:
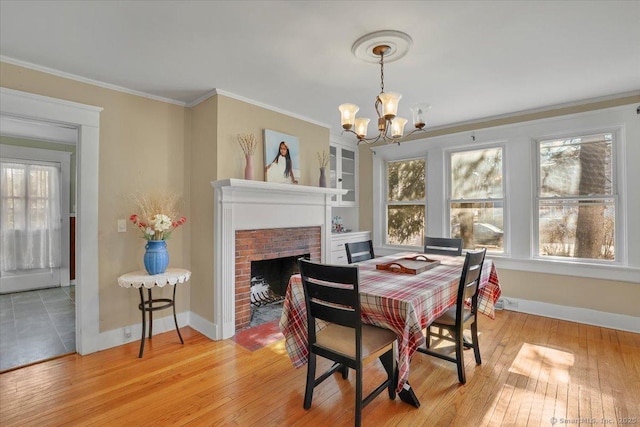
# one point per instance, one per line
(343, 173)
(339, 240)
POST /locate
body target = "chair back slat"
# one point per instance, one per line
(470, 279)
(359, 251)
(442, 246)
(331, 294)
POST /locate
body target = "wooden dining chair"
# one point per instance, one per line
(331, 294)
(359, 251)
(442, 246)
(456, 318)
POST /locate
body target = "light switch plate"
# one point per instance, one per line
(122, 226)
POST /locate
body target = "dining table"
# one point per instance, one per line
(403, 302)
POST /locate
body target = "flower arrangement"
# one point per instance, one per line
(323, 159)
(158, 215)
(248, 143)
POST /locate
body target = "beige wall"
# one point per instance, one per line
(202, 170)
(142, 148)
(216, 155)
(237, 117)
(146, 145)
(602, 295)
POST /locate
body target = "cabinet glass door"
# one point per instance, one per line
(348, 162)
(333, 176)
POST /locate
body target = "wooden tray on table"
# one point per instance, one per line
(409, 265)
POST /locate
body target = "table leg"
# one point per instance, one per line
(150, 314)
(144, 325)
(175, 319)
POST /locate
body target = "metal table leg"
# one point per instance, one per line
(147, 306)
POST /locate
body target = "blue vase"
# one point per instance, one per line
(156, 258)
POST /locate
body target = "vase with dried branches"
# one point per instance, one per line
(323, 161)
(248, 144)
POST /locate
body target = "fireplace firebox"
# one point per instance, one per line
(270, 254)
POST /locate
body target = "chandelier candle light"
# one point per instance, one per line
(377, 46)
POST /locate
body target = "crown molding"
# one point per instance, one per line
(80, 79)
(190, 104)
(257, 104)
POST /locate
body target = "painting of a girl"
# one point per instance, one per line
(281, 157)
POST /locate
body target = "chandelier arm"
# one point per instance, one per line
(371, 140)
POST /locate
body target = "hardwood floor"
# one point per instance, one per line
(533, 369)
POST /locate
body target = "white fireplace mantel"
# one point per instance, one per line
(248, 205)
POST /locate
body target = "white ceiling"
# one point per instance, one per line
(469, 59)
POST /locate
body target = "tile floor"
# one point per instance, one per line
(36, 325)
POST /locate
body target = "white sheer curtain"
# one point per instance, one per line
(30, 222)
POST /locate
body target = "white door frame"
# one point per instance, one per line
(87, 120)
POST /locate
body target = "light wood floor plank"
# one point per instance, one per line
(533, 368)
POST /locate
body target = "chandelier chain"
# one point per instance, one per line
(381, 72)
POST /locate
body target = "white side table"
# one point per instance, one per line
(142, 279)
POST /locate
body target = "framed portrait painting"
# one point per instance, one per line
(282, 157)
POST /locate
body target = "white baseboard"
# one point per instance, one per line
(116, 337)
(205, 327)
(574, 314)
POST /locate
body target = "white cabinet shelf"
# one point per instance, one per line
(339, 240)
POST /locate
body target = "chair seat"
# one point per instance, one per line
(448, 318)
(342, 339)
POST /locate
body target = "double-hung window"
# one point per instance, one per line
(406, 202)
(576, 200)
(476, 198)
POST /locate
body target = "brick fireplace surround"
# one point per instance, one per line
(242, 207)
(264, 244)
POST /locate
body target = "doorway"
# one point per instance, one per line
(35, 207)
(37, 301)
(86, 119)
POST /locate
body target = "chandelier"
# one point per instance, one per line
(375, 47)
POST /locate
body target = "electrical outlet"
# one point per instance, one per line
(122, 226)
(510, 303)
(127, 332)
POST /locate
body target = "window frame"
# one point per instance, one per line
(449, 189)
(617, 148)
(386, 203)
(520, 186)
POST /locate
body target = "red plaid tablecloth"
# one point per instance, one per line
(404, 303)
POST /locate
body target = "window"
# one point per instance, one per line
(576, 198)
(406, 202)
(476, 201)
(30, 212)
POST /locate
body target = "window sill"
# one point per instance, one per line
(614, 272)
(566, 268)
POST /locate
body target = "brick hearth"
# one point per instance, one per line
(255, 245)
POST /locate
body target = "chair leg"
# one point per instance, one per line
(358, 414)
(474, 340)
(460, 356)
(428, 343)
(311, 378)
(345, 372)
